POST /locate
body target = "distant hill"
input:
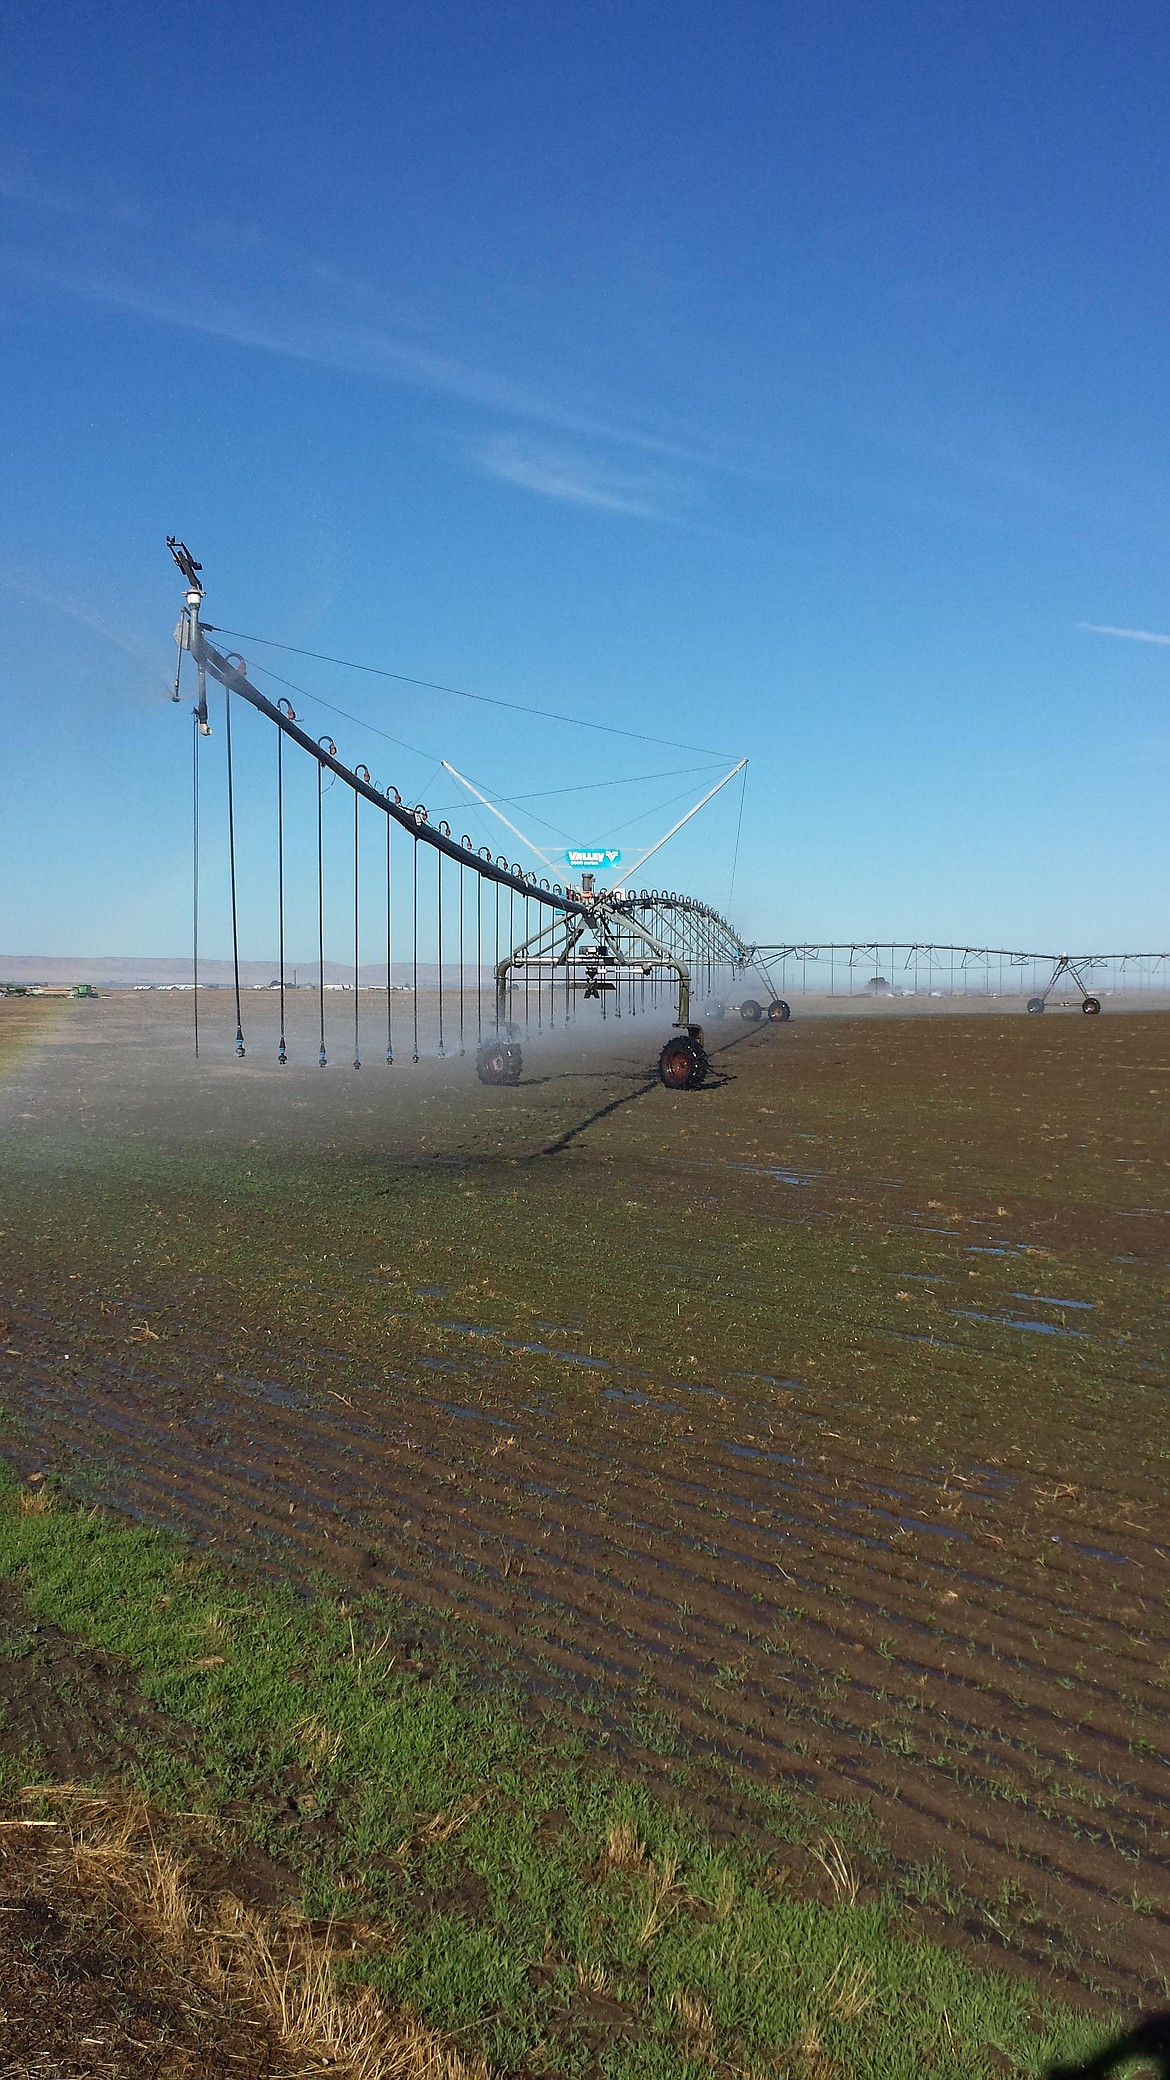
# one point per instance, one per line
(117, 971)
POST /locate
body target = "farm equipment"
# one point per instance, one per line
(1067, 966)
(602, 944)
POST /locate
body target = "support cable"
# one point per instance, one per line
(439, 912)
(478, 958)
(527, 971)
(232, 862)
(462, 969)
(357, 1052)
(389, 969)
(195, 733)
(282, 1051)
(414, 948)
(322, 1056)
(488, 700)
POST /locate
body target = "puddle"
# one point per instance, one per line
(780, 1173)
(780, 1176)
(887, 1516)
(635, 1399)
(1049, 1300)
(771, 1379)
(542, 1350)
(472, 1415)
(1015, 1321)
(994, 1249)
(430, 1292)
(271, 1390)
(1103, 1553)
(750, 1451)
(941, 1343)
(780, 1535)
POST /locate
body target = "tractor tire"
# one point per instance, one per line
(779, 1012)
(1035, 1003)
(683, 1064)
(498, 1061)
(751, 1011)
(715, 1009)
(1091, 1006)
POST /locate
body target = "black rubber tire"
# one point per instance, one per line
(498, 1061)
(1091, 1006)
(1035, 1003)
(683, 1064)
(715, 1009)
(779, 1012)
(751, 1011)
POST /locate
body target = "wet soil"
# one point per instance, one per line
(67, 1715)
(907, 1551)
(70, 1714)
(87, 1992)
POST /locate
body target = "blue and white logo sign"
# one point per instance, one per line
(591, 856)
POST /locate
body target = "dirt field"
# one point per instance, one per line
(812, 1426)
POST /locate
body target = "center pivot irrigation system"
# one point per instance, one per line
(924, 968)
(615, 946)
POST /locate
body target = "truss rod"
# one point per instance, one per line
(235, 678)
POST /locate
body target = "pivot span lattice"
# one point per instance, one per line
(867, 967)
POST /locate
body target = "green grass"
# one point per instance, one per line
(406, 1800)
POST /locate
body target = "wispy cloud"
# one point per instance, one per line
(1133, 635)
(301, 307)
(265, 295)
(581, 479)
(350, 344)
(29, 192)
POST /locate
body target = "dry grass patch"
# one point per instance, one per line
(830, 1853)
(36, 1500)
(112, 1964)
(623, 1850)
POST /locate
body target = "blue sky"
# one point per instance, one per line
(778, 380)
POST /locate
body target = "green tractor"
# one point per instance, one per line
(83, 989)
